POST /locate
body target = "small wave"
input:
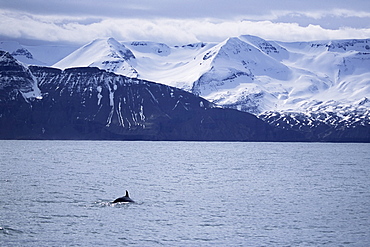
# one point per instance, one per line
(102, 203)
(69, 216)
(9, 231)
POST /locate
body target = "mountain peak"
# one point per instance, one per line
(15, 78)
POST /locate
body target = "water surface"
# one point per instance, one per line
(59, 193)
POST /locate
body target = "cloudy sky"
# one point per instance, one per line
(182, 21)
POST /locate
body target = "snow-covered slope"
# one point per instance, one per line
(178, 66)
(339, 70)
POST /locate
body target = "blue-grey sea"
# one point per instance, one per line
(60, 193)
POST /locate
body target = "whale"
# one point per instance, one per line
(125, 198)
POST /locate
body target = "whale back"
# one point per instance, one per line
(125, 198)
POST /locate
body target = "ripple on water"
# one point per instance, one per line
(105, 203)
(9, 231)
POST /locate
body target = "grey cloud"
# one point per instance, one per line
(222, 9)
(176, 21)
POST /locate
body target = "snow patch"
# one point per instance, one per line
(99, 89)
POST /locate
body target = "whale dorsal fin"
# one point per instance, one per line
(127, 194)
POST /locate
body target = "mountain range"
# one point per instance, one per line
(90, 103)
(318, 88)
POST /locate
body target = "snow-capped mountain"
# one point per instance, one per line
(242, 75)
(107, 54)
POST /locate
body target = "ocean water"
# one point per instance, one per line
(59, 193)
